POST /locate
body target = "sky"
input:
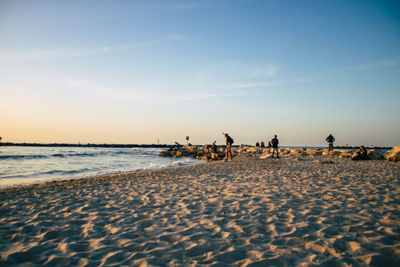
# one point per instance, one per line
(156, 71)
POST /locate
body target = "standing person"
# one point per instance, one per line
(330, 139)
(229, 142)
(274, 143)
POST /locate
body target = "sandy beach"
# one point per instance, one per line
(293, 211)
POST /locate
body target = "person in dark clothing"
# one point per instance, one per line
(257, 144)
(269, 144)
(262, 144)
(330, 139)
(229, 142)
(274, 143)
(214, 147)
(362, 154)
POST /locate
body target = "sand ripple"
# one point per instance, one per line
(250, 212)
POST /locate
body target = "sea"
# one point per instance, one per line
(20, 165)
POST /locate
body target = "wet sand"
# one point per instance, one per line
(293, 211)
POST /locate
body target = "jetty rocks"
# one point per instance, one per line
(198, 152)
(394, 154)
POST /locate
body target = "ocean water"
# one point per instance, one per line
(28, 165)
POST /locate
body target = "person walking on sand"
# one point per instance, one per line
(330, 139)
(274, 143)
(229, 142)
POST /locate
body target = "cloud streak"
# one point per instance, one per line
(144, 93)
(175, 36)
(53, 54)
(82, 52)
(266, 71)
(388, 63)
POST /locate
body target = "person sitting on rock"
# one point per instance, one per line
(257, 144)
(262, 144)
(361, 154)
(214, 147)
(269, 144)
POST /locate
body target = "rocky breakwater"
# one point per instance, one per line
(373, 154)
(264, 153)
(197, 152)
(394, 154)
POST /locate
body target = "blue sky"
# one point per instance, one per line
(138, 71)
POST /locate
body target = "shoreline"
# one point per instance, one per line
(84, 145)
(95, 179)
(96, 176)
(294, 211)
(6, 144)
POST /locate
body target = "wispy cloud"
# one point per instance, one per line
(58, 54)
(303, 80)
(52, 54)
(174, 36)
(145, 93)
(249, 85)
(388, 63)
(181, 4)
(265, 71)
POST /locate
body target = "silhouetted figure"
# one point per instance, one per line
(262, 144)
(257, 144)
(274, 143)
(330, 139)
(214, 147)
(269, 144)
(362, 154)
(229, 142)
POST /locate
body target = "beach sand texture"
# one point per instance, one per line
(249, 212)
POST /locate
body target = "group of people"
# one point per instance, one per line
(262, 144)
(361, 154)
(271, 144)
